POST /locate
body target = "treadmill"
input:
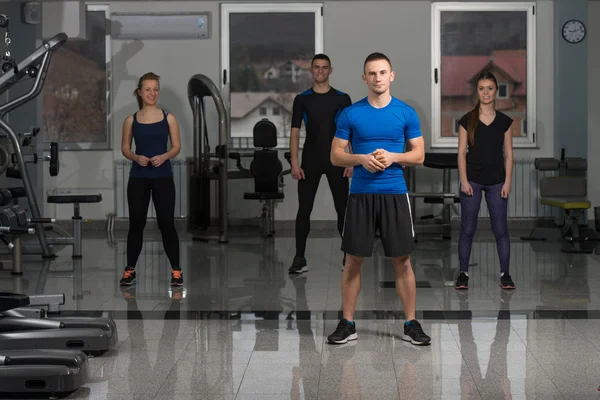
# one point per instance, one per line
(39, 371)
(46, 307)
(93, 336)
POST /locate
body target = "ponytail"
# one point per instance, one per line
(138, 98)
(472, 121)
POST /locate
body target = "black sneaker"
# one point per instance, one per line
(462, 282)
(176, 277)
(128, 278)
(506, 282)
(298, 266)
(343, 333)
(414, 333)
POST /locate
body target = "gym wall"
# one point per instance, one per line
(593, 104)
(402, 32)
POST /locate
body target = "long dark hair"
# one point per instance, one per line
(149, 76)
(473, 116)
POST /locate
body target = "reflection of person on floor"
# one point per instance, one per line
(307, 349)
(140, 367)
(496, 379)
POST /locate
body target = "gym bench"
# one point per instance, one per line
(74, 240)
(569, 194)
(446, 162)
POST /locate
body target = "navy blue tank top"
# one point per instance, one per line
(150, 140)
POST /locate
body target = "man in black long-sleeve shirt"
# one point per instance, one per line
(319, 107)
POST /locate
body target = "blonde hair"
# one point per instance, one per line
(149, 76)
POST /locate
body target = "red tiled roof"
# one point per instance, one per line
(304, 64)
(457, 71)
(242, 103)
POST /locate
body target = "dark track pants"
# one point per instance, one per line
(162, 191)
(307, 189)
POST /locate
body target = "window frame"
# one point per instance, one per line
(108, 144)
(437, 141)
(455, 126)
(232, 8)
(500, 84)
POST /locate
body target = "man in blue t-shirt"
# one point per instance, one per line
(378, 127)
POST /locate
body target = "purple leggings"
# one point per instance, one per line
(469, 210)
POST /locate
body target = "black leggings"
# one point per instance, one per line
(162, 191)
(307, 189)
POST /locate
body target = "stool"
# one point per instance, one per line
(75, 240)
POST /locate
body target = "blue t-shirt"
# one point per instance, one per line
(368, 129)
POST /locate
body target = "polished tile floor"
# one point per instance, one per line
(241, 328)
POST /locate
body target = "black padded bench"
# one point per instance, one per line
(75, 240)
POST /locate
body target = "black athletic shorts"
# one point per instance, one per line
(387, 213)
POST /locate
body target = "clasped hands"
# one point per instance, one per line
(378, 160)
(156, 161)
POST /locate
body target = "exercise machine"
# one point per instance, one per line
(439, 223)
(568, 193)
(267, 171)
(208, 166)
(34, 66)
(35, 370)
(15, 222)
(91, 335)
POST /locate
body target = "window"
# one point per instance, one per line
(469, 38)
(268, 67)
(524, 127)
(502, 91)
(76, 99)
(456, 126)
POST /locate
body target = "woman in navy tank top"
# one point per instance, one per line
(151, 176)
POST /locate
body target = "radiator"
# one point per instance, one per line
(180, 175)
(524, 199)
(523, 202)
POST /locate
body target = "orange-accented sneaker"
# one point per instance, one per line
(128, 278)
(176, 277)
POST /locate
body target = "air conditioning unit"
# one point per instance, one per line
(141, 26)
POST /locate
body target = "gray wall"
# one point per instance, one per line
(570, 96)
(352, 29)
(593, 116)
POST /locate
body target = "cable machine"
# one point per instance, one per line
(207, 166)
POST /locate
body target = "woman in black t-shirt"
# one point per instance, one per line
(485, 161)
